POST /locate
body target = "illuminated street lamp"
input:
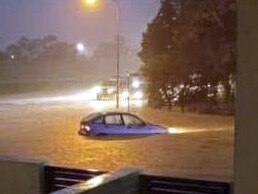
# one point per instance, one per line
(93, 3)
(80, 47)
(90, 3)
(96, 89)
(136, 84)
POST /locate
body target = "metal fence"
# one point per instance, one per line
(57, 178)
(167, 185)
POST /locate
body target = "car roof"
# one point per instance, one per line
(104, 113)
(97, 115)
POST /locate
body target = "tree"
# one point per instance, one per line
(216, 45)
(190, 37)
(3, 56)
(163, 56)
(49, 40)
(43, 58)
(58, 51)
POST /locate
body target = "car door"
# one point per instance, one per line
(135, 125)
(114, 124)
(98, 125)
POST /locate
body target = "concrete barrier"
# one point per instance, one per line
(125, 181)
(19, 176)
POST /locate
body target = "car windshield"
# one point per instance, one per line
(91, 116)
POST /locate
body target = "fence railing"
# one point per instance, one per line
(166, 185)
(27, 176)
(57, 178)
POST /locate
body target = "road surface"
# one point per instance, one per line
(201, 146)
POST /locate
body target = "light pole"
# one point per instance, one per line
(128, 88)
(93, 3)
(118, 52)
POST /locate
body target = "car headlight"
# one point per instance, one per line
(87, 128)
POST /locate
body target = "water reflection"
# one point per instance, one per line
(173, 130)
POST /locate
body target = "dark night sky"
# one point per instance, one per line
(67, 20)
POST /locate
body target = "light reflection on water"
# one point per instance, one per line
(173, 130)
(86, 96)
(111, 104)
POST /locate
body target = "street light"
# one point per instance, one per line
(80, 47)
(93, 3)
(90, 3)
(136, 84)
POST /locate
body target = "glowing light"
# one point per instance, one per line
(182, 86)
(125, 94)
(138, 95)
(81, 96)
(95, 181)
(90, 2)
(80, 47)
(110, 90)
(96, 89)
(138, 103)
(87, 128)
(173, 130)
(136, 84)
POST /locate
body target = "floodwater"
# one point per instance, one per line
(46, 128)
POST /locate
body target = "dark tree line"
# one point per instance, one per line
(40, 64)
(40, 58)
(26, 50)
(47, 61)
(188, 50)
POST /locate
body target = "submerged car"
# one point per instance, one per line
(117, 123)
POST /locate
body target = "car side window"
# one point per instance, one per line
(98, 121)
(131, 120)
(113, 120)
